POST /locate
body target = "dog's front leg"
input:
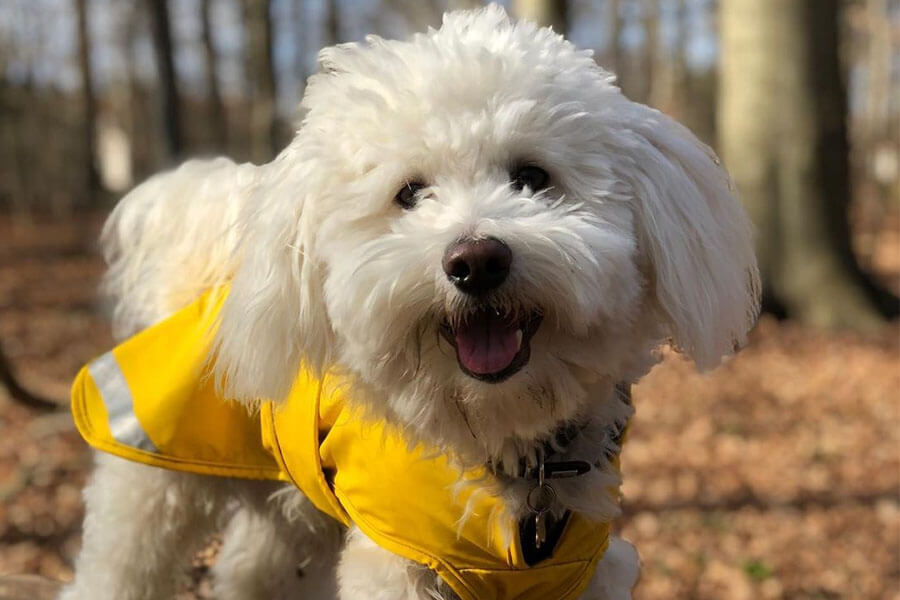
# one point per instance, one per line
(369, 572)
(617, 572)
(142, 526)
(278, 547)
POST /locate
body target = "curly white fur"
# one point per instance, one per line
(639, 240)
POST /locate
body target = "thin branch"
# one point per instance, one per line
(18, 392)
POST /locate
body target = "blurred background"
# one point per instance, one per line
(776, 476)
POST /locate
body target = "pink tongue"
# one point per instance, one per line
(486, 343)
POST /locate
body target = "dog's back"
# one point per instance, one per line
(172, 237)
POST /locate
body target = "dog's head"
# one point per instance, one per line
(476, 222)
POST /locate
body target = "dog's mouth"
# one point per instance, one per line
(490, 346)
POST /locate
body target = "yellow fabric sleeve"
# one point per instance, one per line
(153, 400)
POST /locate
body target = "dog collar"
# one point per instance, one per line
(541, 528)
(561, 439)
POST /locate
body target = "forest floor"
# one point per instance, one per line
(776, 476)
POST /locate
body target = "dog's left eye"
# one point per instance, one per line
(408, 195)
(531, 177)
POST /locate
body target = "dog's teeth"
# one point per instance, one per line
(518, 339)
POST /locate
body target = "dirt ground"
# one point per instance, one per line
(776, 476)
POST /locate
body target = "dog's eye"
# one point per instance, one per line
(531, 177)
(408, 195)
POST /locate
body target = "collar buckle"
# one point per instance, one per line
(561, 469)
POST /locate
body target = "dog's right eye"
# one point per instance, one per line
(408, 195)
(531, 177)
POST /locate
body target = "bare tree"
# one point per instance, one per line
(300, 33)
(332, 22)
(143, 156)
(89, 101)
(783, 134)
(464, 4)
(264, 140)
(415, 15)
(162, 38)
(613, 54)
(217, 117)
(544, 12)
(15, 169)
(680, 76)
(650, 58)
(25, 107)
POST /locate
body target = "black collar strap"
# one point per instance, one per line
(563, 438)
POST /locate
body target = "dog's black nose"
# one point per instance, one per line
(477, 266)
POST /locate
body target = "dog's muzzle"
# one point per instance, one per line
(490, 346)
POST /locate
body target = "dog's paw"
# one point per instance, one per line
(617, 573)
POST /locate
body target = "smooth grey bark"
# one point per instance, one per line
(782, 125)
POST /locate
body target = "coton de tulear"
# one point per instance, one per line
(484, 242)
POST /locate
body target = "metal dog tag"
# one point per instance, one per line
(540, 529)
(539, 500)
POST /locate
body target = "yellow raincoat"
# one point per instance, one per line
(151, 400)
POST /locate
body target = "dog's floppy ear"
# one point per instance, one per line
(274, 318)
(695, 235)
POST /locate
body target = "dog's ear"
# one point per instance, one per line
(695, 236)
(274, 318)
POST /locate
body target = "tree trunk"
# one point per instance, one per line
(783, 135)
(264, 144)
(218, 121)
(144, 156)
(650, 90)
(162, 38)
(22, 131)
(680, 74)
(333, 23)
(553, 13)
(92, 184)
(668, 72)
(613, 52)
(464, 4)
(17, 180)
(300, 31)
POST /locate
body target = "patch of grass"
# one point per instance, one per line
(735, 428)
(716, 520)
(757, 570)
(663, 568)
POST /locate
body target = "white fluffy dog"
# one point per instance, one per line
(478, 229)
